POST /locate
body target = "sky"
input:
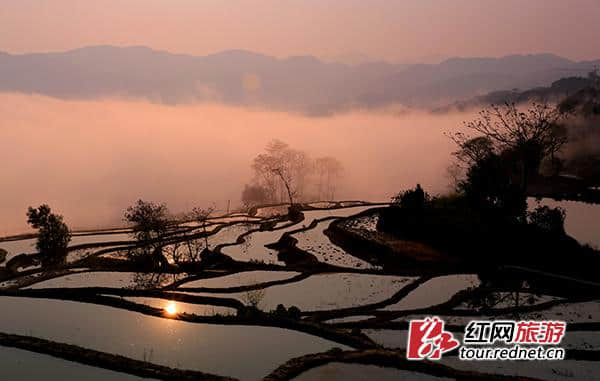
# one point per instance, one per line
(90, 159)
(391, 30)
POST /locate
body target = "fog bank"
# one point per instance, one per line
(91, 159)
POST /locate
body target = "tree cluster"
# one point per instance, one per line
(148, 220)
(285, 174)
(415, 199)
(507, 152)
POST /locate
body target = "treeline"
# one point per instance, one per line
(486, 221)
(577, 100)
(153, 228)
(284, 174)
(281, 174)
(582, 155)
(556, 92)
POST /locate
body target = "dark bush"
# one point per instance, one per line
(53, 237)
(406, 205)
(149, 222)
(548, 219)
(415, 199)
(294, 312)
(291, 313)
(280, 310)
(491, 189)
(295, 212)
(147, 219)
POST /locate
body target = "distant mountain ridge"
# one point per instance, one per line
(558, 91)
(300, 83)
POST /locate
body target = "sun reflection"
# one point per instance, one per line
(171, 308)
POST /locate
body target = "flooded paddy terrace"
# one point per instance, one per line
(255, 315)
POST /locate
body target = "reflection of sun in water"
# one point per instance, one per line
(171, 308)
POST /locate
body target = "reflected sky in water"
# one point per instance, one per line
(581, 221)
(16, 364)
(244, 352)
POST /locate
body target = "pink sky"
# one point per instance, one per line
(395, 30)
(131, 149)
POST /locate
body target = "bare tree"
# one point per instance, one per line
(282, 170)
(188, 250)
(200, 216)
(254, 298)
(507, 127)
(264, 177)
(525, 137)
(285, 173)
(473, 150)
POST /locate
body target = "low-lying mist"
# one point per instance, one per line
(89, 160)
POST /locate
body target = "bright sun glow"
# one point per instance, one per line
(171, 308)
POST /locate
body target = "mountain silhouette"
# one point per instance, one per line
(300, 83)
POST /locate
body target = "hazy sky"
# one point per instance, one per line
(133, 149)
(396, 30)
(193, 155)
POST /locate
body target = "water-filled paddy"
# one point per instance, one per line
(174, 308)
(17, 364)
(241, 279)
(213, 221)
(15, 248)
(318, 244)
(581, 221)
(330, 291)
(27, 246)
(435, 291)
(251, 352)
(97, 238)
(227, 234)
(254, 247)
(359, 372)
(569, 312)
(245, 352)
(270, 211)
(544, 370)
(507, 300)
(388, 338)
(91, 279)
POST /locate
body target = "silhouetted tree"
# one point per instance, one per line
(144, 281)
(149, 222)
(54, 235)
(415, 199)
(474, 150)
(489, 188)
(282, 169)
(285, 173)
(200, 216)
(191, 249)
(529, 136)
